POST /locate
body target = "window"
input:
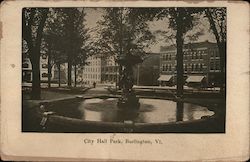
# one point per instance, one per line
(196, 67)
(211, 65)
(185, 56)
(196, 56)
(212, 53)
(44, 65)
(201, 67)
(44, 75)
(44, 56)
(25, 65)
(216, 53)
(217, 65)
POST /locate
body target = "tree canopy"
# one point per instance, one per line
(123, 31)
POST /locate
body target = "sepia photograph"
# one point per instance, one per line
(124, 69)
(124, 80)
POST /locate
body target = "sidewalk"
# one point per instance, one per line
(55, 93)
(174, 88)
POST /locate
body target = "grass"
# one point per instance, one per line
(46, 95)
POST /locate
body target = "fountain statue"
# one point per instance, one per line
(128, 99)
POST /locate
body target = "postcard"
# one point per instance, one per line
(125, 80)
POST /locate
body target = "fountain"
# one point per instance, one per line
(126, 113)
(128, 100)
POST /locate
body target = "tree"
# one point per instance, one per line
(180, 20)
(76, 37)
(33, 22)
(123, 32)
(54, 40)
(217, 20)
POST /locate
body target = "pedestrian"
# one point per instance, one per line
(94, 84)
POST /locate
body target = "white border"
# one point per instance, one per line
(182, 147)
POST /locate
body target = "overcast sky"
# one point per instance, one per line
(94, 15)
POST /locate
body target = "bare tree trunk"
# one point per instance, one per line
(222, 49)
(36, 87)
(49, 68)
(179, 111)
(75, 75)
(120, 47)
(34, 51)
(69, 72)
(59, 75)
(179, 43)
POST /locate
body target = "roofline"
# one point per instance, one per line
(173, 47)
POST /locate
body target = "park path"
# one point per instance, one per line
(97, 90)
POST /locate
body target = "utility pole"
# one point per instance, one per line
(138, 74)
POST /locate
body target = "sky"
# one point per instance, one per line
(94, 15)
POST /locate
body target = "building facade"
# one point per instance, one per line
(92, 71)
(27, 69)
(201, 64)
(110, 71)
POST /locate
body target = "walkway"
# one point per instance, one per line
(97, 90)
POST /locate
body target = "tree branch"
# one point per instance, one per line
(212, 24)
(40, 28)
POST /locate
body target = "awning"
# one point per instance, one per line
(165, 78)
(195, 79)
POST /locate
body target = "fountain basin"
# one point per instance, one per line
(150, 111)
(100, 114)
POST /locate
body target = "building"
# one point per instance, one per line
(27, 69)
(100, 70)
(147, 72)
(92, 71)
(201, 64)
(110, 71)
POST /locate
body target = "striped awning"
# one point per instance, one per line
(165, 78)
(195, 79)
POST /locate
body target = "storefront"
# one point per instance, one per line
(166, 80)
(198, 81)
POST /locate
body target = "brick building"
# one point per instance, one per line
(201, 64)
